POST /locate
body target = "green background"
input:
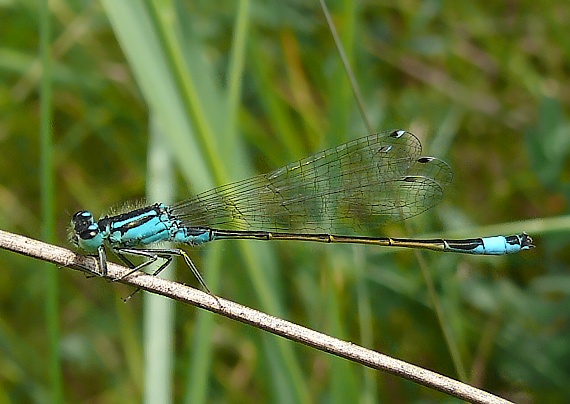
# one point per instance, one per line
(233, 88)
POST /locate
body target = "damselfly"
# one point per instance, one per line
(360, 185)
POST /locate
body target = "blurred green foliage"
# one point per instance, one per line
(483, 84)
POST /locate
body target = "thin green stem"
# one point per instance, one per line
(47, 198)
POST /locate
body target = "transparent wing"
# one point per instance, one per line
(362, 183)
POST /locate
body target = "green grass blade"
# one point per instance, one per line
(159, 327)
(48, 203)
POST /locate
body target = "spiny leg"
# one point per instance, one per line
(167, 261)
(151, 258)
(166, 254)
(136, 252)
(125, 261)
(183, 254)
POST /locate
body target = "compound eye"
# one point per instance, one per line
(83, 215)
(82, 220)
(89, 233)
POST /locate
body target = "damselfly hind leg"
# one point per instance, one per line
(154, 254)
(120, 252)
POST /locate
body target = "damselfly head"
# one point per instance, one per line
(84, 232)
